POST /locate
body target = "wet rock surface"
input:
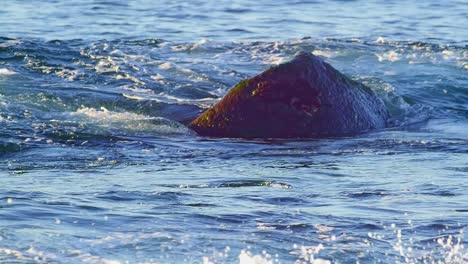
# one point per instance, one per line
(303, 98)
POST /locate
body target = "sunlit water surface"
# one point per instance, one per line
(97, 166)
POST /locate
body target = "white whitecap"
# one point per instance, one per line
(169, 99)
(326, 53)
(7, 72)
(380, 40)
(246, 257)
(103, 121)
(10, 43)
(391, 56)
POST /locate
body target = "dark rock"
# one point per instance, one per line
(303, 98)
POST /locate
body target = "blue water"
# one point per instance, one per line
(97, 165)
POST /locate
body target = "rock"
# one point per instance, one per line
(303, 98)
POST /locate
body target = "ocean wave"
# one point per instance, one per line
(103, 120)
(234, 184)
(7, 147)
(159, 72)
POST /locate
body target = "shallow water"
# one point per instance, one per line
(96, 165)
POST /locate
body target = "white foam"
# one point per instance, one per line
(127, 76)
(103, 120)
(89, 258)
(201, 45)
(166, 66)
(30, 255)
(105, 115)
(69, 75)
(17, 254)
(262, 226)
(323, 228)
(391, 56)
(245, 257)
(7, 72)
(33, 255)
(165, 98)
(107, 65)
(326, 53)
(173, 67)
(274, 60)
(422, 54)
(159, 78)
(380, 40)
(10, 43)
(116, 239)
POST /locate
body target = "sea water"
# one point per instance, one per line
(97, 164)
